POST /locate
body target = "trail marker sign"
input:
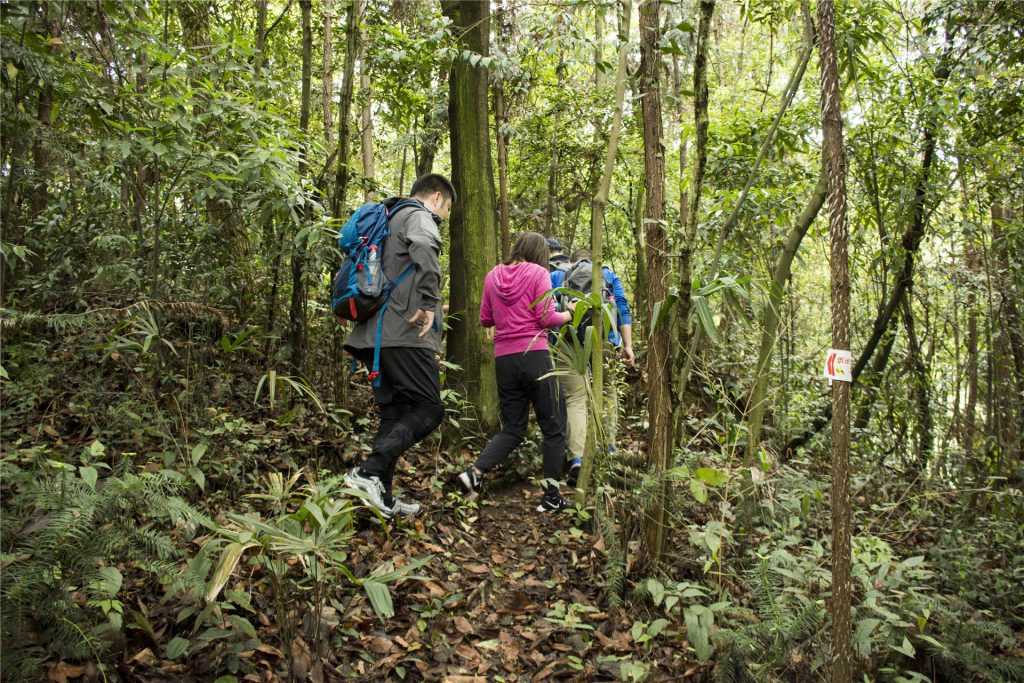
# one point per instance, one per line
(839, 365)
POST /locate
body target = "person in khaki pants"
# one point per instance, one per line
(575, 385)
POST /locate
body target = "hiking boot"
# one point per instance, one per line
(574, 472)
(469, 481)
(375, 493)
(403, 509)
(553, 502)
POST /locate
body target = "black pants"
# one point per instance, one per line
(409, 398)
(520, 386)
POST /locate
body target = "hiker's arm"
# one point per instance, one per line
(544, 310)
(486, 312)
(621, 303)
(424, 247)
(627, 343)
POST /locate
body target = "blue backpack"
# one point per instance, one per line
(360, 286)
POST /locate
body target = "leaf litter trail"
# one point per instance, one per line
(511, 594)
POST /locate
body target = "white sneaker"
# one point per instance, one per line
(373, 490)
(403, 509)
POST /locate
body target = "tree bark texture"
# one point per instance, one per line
(659, 360)
(366, 121)
(339, 205)
(473, 224)
(1008, 349)
(326, 79)
(297, 309)
(832, 145)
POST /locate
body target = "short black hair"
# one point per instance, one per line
(433, 182)
(580, 254)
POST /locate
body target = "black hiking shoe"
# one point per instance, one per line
(553, 502)
(469, 481)
(574, 472)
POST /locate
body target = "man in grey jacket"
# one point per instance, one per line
(409, 391)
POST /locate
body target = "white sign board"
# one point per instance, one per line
(839, 365)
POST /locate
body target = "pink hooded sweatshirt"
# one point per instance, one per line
(509, 291)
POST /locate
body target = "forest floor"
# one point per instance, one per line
(511, 594)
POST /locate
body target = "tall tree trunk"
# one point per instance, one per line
(772, 310)
(832, 147)
(261, 34)
(473, 225)
(501, 143)
(640, 254)
(297, 310)
(326, 77)
(600, 203)
(973, 257)
(339, 204)
(366, 123)
(659, 358)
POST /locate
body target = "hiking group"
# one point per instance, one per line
(390, 286)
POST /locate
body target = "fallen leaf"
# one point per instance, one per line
(145, 657)
(477, 568)
(61, 671)
(379, 644)
(462, 625)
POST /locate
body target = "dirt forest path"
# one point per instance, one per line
(510, 595)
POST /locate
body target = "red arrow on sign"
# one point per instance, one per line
(831, 364)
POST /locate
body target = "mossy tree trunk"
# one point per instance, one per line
(473, 225)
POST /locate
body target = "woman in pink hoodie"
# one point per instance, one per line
(510, 305)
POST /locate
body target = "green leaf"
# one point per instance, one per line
(698, 628)
(198, 451)
(243, 625)
(96, 449)
(862, 635)
(699, 491)
(198, 477)
(380, 598)
(707, 320)
(656, 590)
(89, 476)
(112, 580)
(711, 476)
(906, 648)
(176, 647)
(228, 561)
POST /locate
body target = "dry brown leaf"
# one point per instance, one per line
(380, 644)
(477, 568)
(61, 671)
(467, 652)
(462, 625)
(144, 657)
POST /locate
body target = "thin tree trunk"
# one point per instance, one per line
(640, 251)
(920, 389)
(473, 226)
(326, 79)
(366, 121)
(600, 203)
(297, 311)
(973, 258)
(339, 205)
(659, 359)
(261, 34)
(501, 143)
(832, 146)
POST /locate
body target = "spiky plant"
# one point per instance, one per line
(66, 534)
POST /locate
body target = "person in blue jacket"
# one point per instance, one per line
(575, 386)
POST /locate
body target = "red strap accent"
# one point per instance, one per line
(352, 307)
(372, 376)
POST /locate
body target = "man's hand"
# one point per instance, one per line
(627, 355)
(425, 319)
(489, 333)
